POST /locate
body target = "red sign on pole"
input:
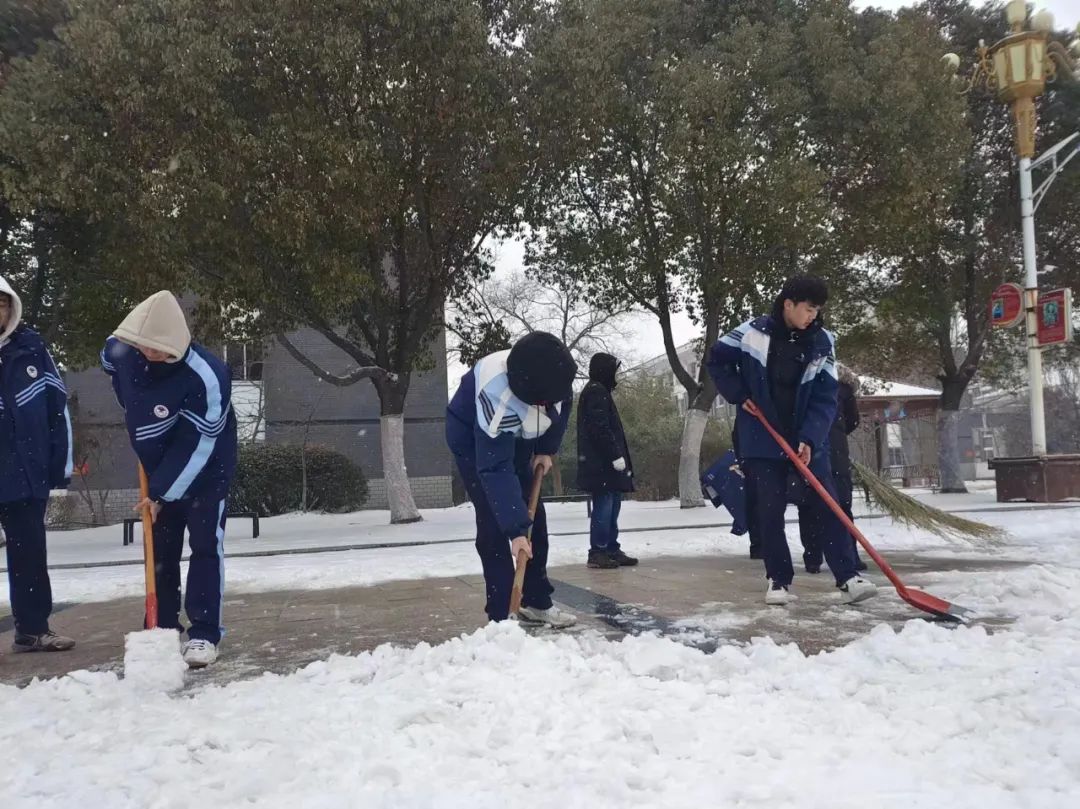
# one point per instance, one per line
(1055, 317)
(1006, 305)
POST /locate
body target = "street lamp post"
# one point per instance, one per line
(1018, 67)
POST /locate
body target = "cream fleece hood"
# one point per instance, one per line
(16, 311)
(158, 323)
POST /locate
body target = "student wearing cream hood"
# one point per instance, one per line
(176, 400)
(35, 457)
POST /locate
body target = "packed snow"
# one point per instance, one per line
(310, 555)
(152, 660)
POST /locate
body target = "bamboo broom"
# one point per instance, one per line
(908, 511)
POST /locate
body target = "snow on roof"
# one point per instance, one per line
(874, 388)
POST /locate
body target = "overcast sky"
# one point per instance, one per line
(1066, 12)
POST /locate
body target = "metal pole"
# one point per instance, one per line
(1031, 302)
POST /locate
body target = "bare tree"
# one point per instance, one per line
(92, 458)
(492, 314)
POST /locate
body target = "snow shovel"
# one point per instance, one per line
(522, 559)
(148, 553)
(916, 598)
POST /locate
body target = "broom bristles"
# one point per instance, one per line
(908, 511)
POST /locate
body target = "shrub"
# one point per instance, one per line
(270, 480)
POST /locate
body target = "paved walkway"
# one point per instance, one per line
(703, 601)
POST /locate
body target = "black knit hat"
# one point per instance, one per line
(540, 369)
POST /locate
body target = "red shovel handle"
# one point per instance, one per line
(828, 498)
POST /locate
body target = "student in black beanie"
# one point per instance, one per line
(507, 418)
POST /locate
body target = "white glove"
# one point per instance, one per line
(619, 464)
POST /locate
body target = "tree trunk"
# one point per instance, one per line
(392, 439)
(952, 480)
(690, 458)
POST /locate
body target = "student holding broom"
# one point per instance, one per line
(507, 419)
(784, 364)
(35, 457)
(176, 400)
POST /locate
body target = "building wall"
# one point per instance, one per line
(295, 407)
(300, 407)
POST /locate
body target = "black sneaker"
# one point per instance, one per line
(48, 641)
(623, 560)
(602, 561)
(813, 568)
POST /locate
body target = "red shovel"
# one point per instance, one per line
(916, 598)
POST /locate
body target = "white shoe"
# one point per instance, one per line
(552, 616)
(199, 654)
(857, 589)
(778, 595)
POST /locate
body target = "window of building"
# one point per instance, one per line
(245, 360)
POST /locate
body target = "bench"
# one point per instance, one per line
(908, 475)
(573, 498)
(131, 522)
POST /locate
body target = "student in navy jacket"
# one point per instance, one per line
(176, 400)
(508, 417)
(785, 364)
(35, 457)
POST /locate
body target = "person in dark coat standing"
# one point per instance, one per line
(605, 470)
(846, 422)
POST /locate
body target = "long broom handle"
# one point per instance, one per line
(522, 557)
(828, 498)
(148, 553)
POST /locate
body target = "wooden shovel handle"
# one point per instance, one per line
(148, 553)
(522, 558)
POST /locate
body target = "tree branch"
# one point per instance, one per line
(344, 380)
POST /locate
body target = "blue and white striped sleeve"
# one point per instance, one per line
(725, 365)
(61, 463)
(108, 358)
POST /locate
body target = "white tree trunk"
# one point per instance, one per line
(949, 452)
(690, 458)
(398, 492)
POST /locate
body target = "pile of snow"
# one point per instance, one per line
(927, 716)
(152, 660)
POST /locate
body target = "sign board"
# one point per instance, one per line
(1006, 305)
(1055, 317)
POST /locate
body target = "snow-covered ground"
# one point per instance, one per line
(927, 717)
(651, 529)
(922, 717)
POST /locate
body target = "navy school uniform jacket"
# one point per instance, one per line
(737, 363)
(35, 427)
(179, 419)
(490, 429)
